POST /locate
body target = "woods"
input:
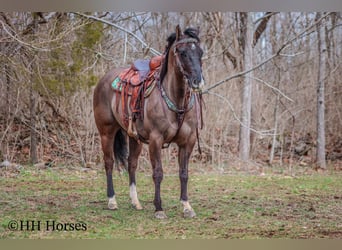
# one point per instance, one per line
(272, 95)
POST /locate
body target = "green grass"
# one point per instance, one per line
(227, 206)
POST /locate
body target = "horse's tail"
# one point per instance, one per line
(120, 148)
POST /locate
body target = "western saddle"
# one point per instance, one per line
(133, 85)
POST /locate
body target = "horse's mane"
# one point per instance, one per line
(190, 32)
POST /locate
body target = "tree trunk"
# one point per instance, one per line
(320, 153)
(8, 95)
(244, 143)
(277, 80)
(276, 120)
(33, 133)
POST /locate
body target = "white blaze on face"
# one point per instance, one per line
(134, 196)
(112, 203)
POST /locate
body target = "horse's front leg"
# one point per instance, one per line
(183, 160)
(155, 157)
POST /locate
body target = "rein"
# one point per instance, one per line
(190, 101)
(180, 112)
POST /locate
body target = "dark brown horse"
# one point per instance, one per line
(171, 113)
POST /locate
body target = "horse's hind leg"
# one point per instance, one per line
(134, 152)
(107, 141)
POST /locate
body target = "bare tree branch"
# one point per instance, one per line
(262, 26)
(273, 88)
(15, 37)
(153, 51)
(285, 45)
(238, 74)
(267, 15)
(262, 132)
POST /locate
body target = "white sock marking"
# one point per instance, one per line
(134, 196)
(186, 205)
(112, 204)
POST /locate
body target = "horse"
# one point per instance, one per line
(171, 113)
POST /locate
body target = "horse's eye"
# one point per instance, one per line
(183, 54)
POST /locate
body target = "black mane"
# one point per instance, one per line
(190, 32)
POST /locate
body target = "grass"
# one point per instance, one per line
(227, 206)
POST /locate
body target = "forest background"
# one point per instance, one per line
(272, 95)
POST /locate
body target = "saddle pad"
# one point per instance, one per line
(116, 84)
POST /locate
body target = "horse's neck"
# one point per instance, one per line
(175, 88)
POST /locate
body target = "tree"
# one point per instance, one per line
(247, 52)
(321, 74)
(32, 29)
(247, 40)
(54, 68)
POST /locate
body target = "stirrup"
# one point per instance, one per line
(132, 132)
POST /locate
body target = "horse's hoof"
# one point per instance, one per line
(189, 213)
(112, 206)
(137, 206)
(160, 215)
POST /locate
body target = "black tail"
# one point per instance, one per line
(120, 148)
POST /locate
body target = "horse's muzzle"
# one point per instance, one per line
(197, 83)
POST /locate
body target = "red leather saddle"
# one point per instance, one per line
(140, 70)
(134, 84)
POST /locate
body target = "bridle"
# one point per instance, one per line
(194, 44)
(191, 95)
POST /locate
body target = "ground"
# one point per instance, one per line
(72, 200)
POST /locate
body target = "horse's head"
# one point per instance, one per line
(188, 56)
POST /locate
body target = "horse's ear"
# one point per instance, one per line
(178, 32)
(198, 30)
